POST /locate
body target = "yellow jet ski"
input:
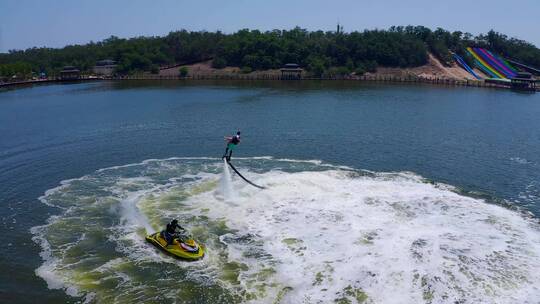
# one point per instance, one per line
(183, 248)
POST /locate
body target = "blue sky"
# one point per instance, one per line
(55, 23)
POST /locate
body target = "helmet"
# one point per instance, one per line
(175, 221)
(238, 133)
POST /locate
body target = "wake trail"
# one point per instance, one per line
(131, 214)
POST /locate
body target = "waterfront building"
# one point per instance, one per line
(105, 67)
(291, 71)
(70, 73)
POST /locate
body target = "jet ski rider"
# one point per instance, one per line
(172, 229)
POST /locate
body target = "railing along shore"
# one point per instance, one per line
(48, 80)
(261, 76)
(367, 78)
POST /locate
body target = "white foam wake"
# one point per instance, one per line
(390, 239)
(316, 235)
(131, 215)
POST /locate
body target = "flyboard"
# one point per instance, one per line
(247, 180)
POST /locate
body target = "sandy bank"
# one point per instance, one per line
(434, 69)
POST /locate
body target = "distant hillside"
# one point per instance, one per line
(316, 51)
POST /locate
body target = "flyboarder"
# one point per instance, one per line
(232, 142)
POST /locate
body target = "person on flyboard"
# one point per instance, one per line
(232, 142)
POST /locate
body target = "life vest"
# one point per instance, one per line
(170, 228)
(235, 139)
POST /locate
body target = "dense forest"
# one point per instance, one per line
(317, 51)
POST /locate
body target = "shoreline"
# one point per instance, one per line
(446, 82)
(46, 81)
(365, 78)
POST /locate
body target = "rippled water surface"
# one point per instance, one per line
(375, 194)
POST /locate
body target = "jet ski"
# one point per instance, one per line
(183, 247)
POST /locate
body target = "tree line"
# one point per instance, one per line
(319, 52)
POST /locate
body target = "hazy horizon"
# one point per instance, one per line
(29, 23)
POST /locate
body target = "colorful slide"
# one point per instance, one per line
(497, 63)
(492, 64)
(507, 63)
(484, 65)
(504, 63)
(462, 62)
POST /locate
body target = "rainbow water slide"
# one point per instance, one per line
(505, 63)
(480, 52)
(465, 66)
(484, 65)
(495, 63)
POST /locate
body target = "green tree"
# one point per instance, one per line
(183, 71)
(219, 63)
(316, 51)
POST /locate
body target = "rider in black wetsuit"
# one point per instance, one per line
(171, 230)
(232, 142)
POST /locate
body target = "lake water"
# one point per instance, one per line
(375, 193)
